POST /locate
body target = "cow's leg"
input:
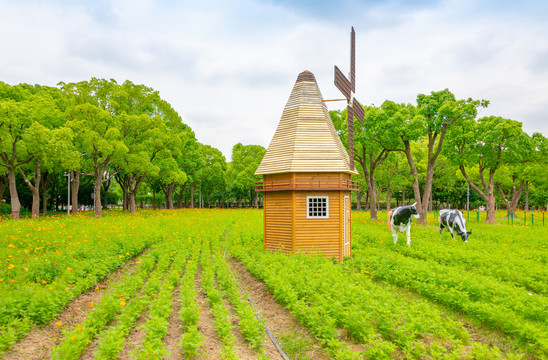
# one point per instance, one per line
(395, 235)
(408, 232)
(452, 232)
(441, 228)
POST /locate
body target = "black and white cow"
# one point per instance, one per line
(399, 220)
(454, 221)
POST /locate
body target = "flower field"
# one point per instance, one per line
(115, 287)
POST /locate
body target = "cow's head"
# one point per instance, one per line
(414, 211)
(464, 235)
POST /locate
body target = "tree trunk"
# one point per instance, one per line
(373, 200)
(34, 188)
(14, 197)
(168, 190)
(403, 197)
(97, 193)
(132, 195)
(125, 200)
(526, 196)
(74, 188)
(488, 195)
(359, 195)
(512, 204)
(430, 202)
(44, 184)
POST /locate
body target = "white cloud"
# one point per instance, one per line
(229, 67)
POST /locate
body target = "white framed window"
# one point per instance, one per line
(317, 207)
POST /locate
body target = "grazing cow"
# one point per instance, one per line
(454, 221)
(399, 220)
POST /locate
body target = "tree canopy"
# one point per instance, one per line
(123, 142)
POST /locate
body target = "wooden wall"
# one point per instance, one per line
(287, 227)
(278, 221)
(318, 235)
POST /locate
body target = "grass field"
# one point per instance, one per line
(168, 284)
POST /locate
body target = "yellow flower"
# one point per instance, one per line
(58, 323)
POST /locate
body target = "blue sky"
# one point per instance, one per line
(228, 67)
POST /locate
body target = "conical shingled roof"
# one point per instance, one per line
(305, 140)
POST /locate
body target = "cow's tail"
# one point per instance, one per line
(389, 222)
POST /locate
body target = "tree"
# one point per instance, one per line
(213, 175)
(369, 150)
(169, 177)
(484, 146)
(393, 176)
(144, 132)
(241, 171)
(435, 114)
(512, 179)
(22, 106)
(49, 149)
(98, 130)
(191, 160)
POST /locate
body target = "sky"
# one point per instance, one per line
(228, 67)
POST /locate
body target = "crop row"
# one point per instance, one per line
(189, 260)
(41, 280)
(332, 300)
(481, 255)
(385, 301)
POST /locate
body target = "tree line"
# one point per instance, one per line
(97, 132)
(439, 146)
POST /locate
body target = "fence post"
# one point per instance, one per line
(525, 218)
(478, 214)
(512, 219)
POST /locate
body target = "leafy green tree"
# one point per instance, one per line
(512, 179)
(213, 178)
(97, 129)
(191, 161)
(50, 149)
(145, 132)
(434, 115)
(241, 171)
(393, 176)
(25, 111)
(170, 176)
(369, 151)
(485, 146)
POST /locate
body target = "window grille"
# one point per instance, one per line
(317, 207)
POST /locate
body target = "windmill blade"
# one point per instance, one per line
(353, 60)
(350, 120)
(342, 83)
(358, 110)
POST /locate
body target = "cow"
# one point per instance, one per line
(454, 221)
(399, 220)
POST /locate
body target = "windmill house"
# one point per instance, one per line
(307, 179)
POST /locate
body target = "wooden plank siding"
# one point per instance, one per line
(287, 227)
(278, 221)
